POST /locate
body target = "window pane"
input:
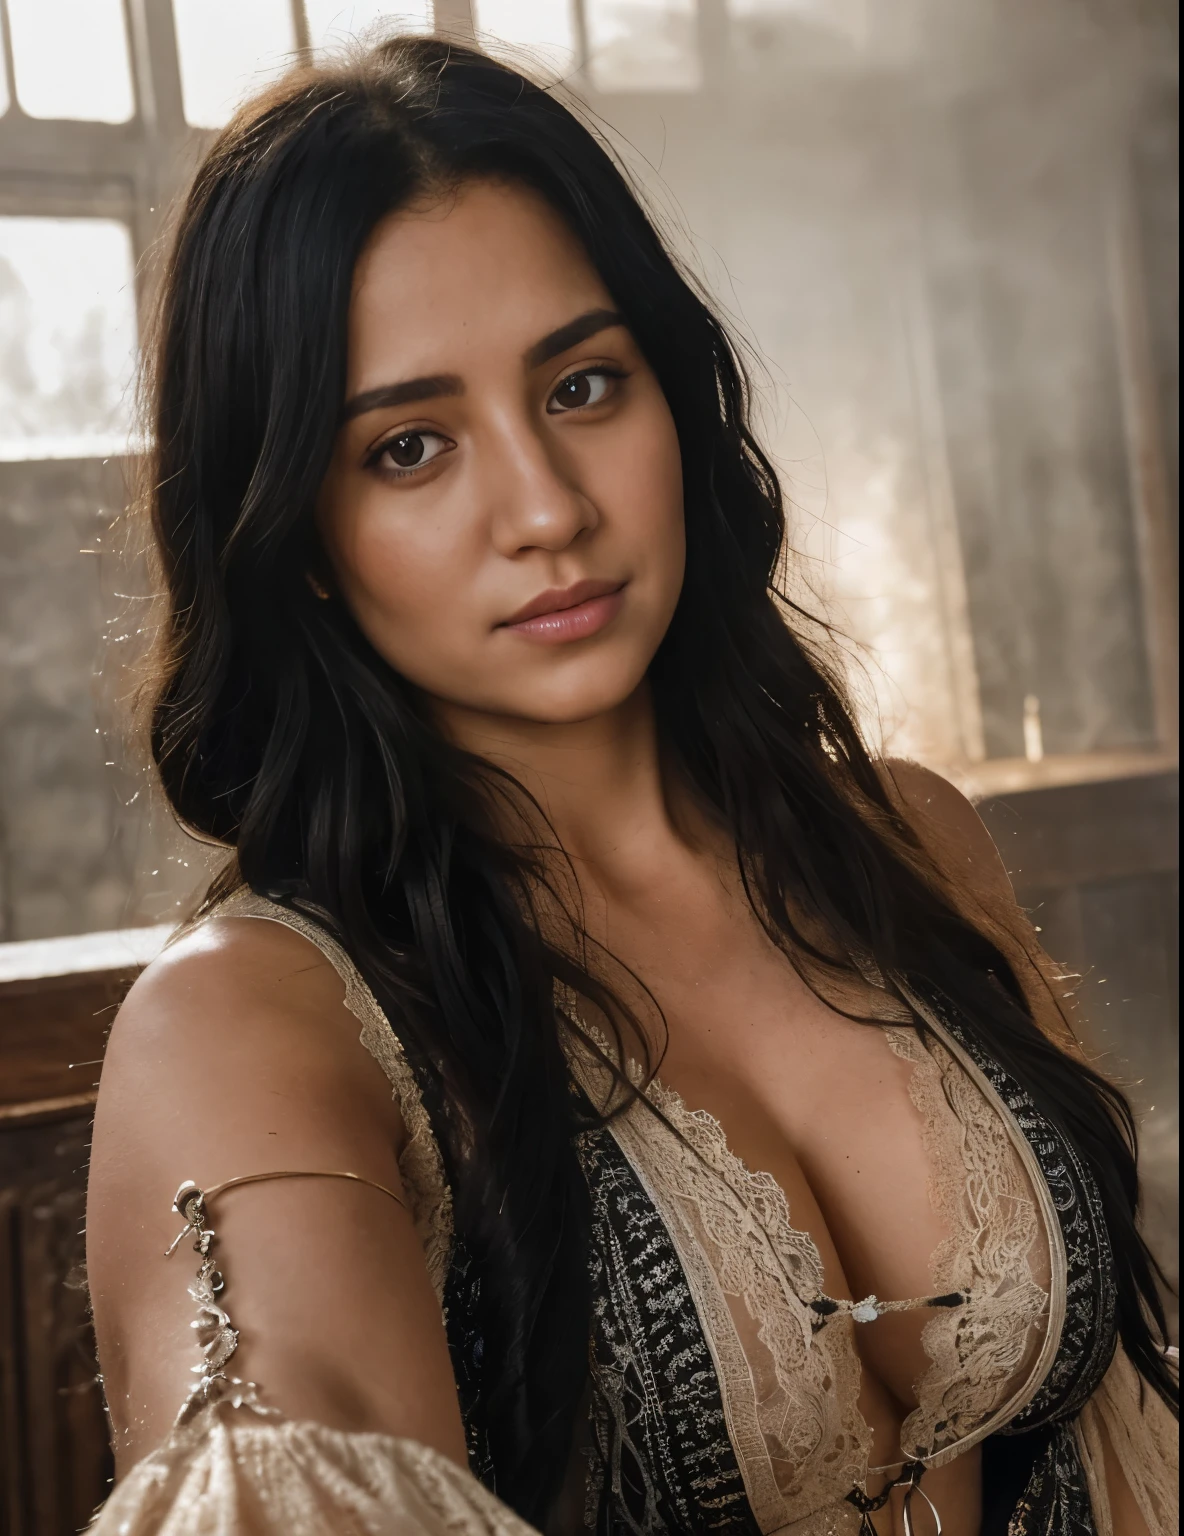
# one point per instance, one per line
(227, 49)
(642, 45)
(332, 22)
(67, 338)
(849, 18)
(70, 59)
(1024, 335)
(544, 27)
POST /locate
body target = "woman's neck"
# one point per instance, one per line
(600, 783)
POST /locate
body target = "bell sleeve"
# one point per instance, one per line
(234, 1466)
(241, 1471)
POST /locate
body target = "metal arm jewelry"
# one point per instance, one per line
(215, 1333)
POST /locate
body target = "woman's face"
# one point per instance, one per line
(503, 513)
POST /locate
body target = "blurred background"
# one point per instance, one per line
(947, 228)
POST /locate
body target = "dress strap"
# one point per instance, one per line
(420, 1164)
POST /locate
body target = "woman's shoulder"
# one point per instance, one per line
(232, 987)
(948, 827)
(252, 1022)
(236, 1056)
(237, 1039)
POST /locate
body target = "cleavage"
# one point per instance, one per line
(832, 1122)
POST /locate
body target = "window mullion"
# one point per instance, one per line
(6, 59)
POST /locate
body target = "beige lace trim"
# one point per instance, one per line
(980, 1352)
(790, 1395)
(420, 1163)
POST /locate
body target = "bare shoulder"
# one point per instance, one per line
(241, 962)
(234, 1054)
(237, 1012)
(949, 827)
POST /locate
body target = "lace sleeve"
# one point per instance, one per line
(225, 1474)
(234, 1465)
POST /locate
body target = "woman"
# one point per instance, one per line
(474, 657)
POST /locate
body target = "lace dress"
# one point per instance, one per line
(725, 1384)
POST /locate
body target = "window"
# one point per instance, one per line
(67, 338)
(642, 45)
(546, 29)
(844, 18)
(333, 22)
(227, 49)
(70, 59)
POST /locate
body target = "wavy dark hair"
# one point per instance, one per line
(279, 732)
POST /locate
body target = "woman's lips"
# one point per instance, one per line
(556, 617)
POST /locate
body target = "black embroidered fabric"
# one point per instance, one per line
(1056, 1500)
(466, 1347)
(662, 1458)
(662, 1462)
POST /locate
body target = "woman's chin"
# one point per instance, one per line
(541, 705)
(574, 708)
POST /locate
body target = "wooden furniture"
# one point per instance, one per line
(57, 1000)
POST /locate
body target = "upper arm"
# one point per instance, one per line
(234, 1054)
(953, 834)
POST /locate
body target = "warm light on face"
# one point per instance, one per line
(504, 509)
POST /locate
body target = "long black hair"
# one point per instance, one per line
(280, 732)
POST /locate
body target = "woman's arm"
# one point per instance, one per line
(953, 835)
(234, 1054)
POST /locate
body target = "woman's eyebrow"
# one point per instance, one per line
(571, 334)
(433, 386)
(386, 395)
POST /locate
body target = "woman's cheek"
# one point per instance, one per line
(418, 603)
(405, 551)
(636, 482)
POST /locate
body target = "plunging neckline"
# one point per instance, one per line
(764, 1200)
(789, 1400)
(743, 1183)
(657, 1087)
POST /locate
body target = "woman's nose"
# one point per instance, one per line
(536, 498)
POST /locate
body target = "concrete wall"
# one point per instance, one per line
(84, 843)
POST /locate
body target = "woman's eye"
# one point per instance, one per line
(409, 451)
(581, 389)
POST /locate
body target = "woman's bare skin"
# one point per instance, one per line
(234, 1053)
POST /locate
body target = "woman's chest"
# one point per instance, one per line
(854, 1125)
(801, 1161)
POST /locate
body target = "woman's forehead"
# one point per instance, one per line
(491, 266)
